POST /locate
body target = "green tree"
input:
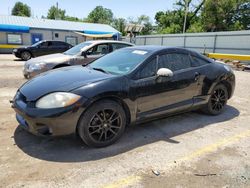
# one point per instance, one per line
(100, 15)
(190, 10)
(243, 14)
(120, 24)
(169, 21)
(145, 21)
(224, 15)
(21, 9)
(55, 13)
(172, 21)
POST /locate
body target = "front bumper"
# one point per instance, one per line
(27, 73)
(48, 122)
(17, 54)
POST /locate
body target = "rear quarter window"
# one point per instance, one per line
(197, 62)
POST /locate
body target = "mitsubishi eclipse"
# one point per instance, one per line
(128, 86)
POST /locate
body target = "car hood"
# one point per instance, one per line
(22, 48)
(52, 58)
(63, 79)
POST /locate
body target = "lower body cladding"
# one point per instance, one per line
(53, 123)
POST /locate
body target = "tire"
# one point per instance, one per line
(102, 124)
(217, 100)
(26, 76)
(25, 55)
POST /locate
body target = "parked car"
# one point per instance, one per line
(41, 48)
(128, 86)
(81, 54)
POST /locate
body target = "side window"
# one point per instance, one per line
(44, 45)
(165, 61)
(59, 44)
(196, 62)
(55, 44)
(174, 61)
(117, 46)
(50, 44)
(100, 49)
(147, 71)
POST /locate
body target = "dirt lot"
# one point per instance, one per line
(188, 150)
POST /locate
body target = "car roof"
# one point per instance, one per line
(109, 41)
(52, 41)
(153, 48)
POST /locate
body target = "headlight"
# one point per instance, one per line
(57, 100)
(37, 66)
(15, 50)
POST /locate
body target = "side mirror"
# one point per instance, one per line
(164, 72)
(84, 54)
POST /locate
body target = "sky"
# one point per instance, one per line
(81, 8)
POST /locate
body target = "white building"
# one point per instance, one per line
(18, 31)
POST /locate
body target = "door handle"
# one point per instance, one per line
(196, 76)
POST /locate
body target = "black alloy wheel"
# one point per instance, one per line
(217, 101)
(102, 124)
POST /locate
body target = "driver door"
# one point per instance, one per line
(43, 48)
(159, 95)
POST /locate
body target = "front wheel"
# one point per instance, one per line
(25, 55)
(102, 124)
(217, 101)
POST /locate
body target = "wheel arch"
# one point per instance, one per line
(111, 98)
(27, 50)
(60, 65)
(228, 86)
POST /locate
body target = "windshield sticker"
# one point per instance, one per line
(139, 52)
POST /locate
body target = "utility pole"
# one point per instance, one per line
(185, 18)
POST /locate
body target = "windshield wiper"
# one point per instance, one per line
(100, 69)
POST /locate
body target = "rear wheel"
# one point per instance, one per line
(25, 55)
(217, 101)
(102, 124)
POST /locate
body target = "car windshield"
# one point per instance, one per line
(77, 49)
(36, 44)
(120, 62)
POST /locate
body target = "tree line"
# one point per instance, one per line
(187, 16)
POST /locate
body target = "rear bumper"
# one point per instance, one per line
(231, 81)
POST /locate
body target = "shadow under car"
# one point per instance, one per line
(72, 149)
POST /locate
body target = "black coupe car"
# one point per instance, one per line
(128, 86)
(41, 48)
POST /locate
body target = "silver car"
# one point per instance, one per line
(81, 54)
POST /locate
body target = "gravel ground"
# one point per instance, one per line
(188, 150)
